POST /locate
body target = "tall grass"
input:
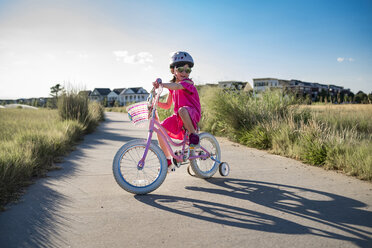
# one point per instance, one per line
(74, 106)
(31, 140)
(341, 117)
(337, 138)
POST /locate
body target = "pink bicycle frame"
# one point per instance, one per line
(155, 126)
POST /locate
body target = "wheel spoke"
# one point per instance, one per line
(134, 175)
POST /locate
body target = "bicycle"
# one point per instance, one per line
(140, 166)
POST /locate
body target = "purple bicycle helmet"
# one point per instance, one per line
(180, 58)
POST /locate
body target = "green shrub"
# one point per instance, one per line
(74, 106)
(230, 113)
(96, 115)
(258, 137)
(351, 157)
(283, 140)
(334, 137)
(314, 151)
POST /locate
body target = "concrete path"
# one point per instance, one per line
(267, 201)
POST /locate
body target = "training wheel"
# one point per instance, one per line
(190, 171)
(224, 169)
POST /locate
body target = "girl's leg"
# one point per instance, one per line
(187, 123)
(163, 146)
(184, 114)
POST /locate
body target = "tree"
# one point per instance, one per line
(35, 102)
(345, 98)
(54, 92)
(339, 98)
(361, 97)
(323, 95)
(351, 97)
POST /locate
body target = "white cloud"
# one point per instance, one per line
(340, 60)
(139, 58)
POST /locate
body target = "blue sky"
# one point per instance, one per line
(116, 44)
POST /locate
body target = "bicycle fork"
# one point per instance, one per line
(141, 163)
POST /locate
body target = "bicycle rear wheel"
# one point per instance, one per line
(206, 168)
(138, 180)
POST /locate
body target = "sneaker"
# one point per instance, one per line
(194, 140)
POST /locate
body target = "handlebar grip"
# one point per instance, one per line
(158, 80)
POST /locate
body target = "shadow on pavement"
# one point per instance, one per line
(333, 212)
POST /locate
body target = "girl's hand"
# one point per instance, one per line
(157, 83)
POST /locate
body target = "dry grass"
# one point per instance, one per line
(332, 136)
(31, 140)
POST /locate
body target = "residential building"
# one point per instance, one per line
(114, 96)
(131, 95)
(262, 84)
(334, 90)
(300, 88)
(99, 94)
(233, 85)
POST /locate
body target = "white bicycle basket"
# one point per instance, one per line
(138, 113)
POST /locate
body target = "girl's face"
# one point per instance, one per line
(181, 72)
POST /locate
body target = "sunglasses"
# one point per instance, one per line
(183, 69)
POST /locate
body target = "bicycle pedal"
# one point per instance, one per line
(171, 169)
(176, 163)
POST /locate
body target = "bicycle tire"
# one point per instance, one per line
(206, 168)
(136, 180)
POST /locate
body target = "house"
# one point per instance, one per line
(314, 90)
(99, 94)
(24, 101)
(114, 96)
(232, 85)
(131, 95)
(262, 84)
(7, 101)
(334, 90)
(301, 88)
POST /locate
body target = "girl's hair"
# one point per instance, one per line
(173, 79)
(179, 64)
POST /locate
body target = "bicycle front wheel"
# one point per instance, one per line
(206, 168)
(138, 180)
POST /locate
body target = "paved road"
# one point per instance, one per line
(267, 201)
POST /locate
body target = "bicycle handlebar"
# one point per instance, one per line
(153, 99)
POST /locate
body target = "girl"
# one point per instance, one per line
(183, 94)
